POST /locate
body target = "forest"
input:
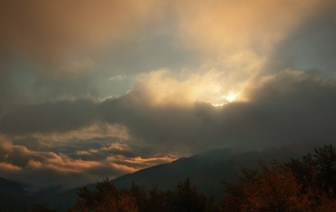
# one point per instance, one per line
(304, 184)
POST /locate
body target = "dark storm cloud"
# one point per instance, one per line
(290, 106)
(287, 107)
(50, 116)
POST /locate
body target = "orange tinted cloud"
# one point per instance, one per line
(50, 30)
(9, 167)
(45, 168)
(230, 25)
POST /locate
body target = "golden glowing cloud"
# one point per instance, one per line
(162, 87)
(226, 26)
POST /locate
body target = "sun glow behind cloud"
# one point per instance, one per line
(165, 88)
(231, 97)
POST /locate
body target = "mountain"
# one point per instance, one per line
(200, 168)
(13, 195)
(206, 171)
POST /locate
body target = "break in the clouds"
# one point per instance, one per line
(94, 89)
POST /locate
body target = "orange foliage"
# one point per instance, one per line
(276, 189)
(126, 203)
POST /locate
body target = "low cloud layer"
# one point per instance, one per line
(40, 168)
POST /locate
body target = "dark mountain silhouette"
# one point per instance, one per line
(12, 186)
(14, 195)
(200, 168)
(206, 171)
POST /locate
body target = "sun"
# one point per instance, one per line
(224, 100)
(231, 97)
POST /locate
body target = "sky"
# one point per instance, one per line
(90, 89)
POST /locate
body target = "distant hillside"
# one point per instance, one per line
(13, 195)
(206, 171)
(201, 169)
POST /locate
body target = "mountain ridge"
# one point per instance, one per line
(205, 170)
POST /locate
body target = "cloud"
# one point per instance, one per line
(54, 50)
(277, 109)
(49, 116)
(140, 162)
(290, 106)
(45, 168)
(47, 32)
(115, 87)
(95, 131)
(20, 83)
(9, 167)
(118, 77)
(227, 26)
(309, 46)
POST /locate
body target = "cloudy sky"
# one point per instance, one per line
(90, 89)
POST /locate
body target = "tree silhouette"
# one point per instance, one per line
(106, 197)
(157, 200)
(318, 169)
(185, 198)
(41, 208)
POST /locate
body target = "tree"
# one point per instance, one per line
(273, 189)
(185, 198)
(140, 196)
(235, 190)
(318, 169)
(157, 200)
(41, 208)
(106, 197)
(125, 202)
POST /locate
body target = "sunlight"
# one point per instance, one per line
(218, 105)
(231, 97)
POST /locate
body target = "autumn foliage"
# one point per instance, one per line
(306, 184)
(106, 198)
(300, 185)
